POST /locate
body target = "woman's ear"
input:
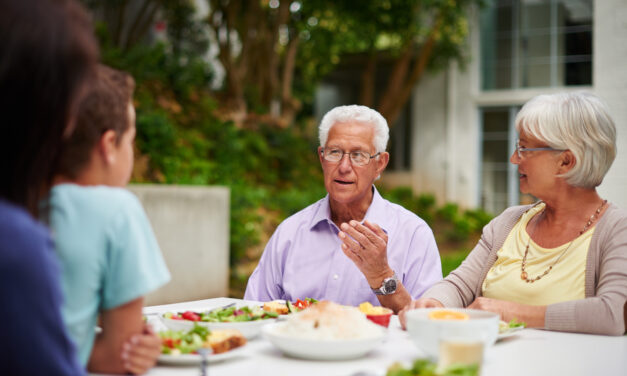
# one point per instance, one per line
(107, 146)
(567, 161)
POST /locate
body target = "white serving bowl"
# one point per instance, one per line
(427, 333)
(317, 349)
(250, 329)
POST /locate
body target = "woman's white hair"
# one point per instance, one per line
(579, 122)
(358, 114)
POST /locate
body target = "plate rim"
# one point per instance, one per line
(509, 332)
(191, 359)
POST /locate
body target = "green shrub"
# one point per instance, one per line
(450, 261)
(448, 212)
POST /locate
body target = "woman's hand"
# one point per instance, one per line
(532, 316)
(420, 303)
(141, 351)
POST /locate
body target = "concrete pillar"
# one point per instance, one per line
(191, 224)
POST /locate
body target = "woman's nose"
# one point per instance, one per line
(514, 158)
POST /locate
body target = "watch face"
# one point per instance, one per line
(390, 286)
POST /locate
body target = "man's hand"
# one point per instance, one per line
(420, 303)
(141, 351)
(366, 246)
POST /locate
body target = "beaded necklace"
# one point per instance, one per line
(523, 273)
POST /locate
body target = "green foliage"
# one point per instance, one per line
(423, 205)
(457, 226)
(180, 131)
(450, 261)
(186, 143)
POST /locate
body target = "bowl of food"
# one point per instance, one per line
(248, 320)
(376, 314)
(325, 331)
(428, 327)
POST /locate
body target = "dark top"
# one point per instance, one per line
(33, 340)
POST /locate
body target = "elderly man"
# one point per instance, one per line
(352, 246)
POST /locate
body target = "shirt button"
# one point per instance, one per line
(335, 276)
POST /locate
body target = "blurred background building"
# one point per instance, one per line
(456, 134)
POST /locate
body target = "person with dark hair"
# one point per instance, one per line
(108, 252)
(47, 52)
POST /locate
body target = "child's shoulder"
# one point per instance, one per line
(100, 198)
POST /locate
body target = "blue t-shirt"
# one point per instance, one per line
(33, 340)
(108, 253)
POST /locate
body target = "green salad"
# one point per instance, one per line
(424, 367)
(176, 342)
(230, 314)
(505, 326)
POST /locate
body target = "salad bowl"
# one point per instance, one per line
(248, 321)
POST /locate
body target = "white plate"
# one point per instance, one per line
(195, 359)
(320, 349)
(509, 332)
(250, 329)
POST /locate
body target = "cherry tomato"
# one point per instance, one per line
(191, 316)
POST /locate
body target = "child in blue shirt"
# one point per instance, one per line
(108, 253)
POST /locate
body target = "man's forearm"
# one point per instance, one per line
(396, 301)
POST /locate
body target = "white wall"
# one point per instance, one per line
(610, 83)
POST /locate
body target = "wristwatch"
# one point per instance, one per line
(388, 286)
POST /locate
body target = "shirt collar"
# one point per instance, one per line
(374, 214)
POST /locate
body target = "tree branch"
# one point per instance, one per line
(135, 24)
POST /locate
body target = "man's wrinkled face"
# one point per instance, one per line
(346, 182)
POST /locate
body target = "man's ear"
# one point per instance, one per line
(107, 146)
(382, 161)
(320, 154)
(567, 161)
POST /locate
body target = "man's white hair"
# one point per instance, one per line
(359, 114)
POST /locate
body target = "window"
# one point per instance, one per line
(497, 188)
(536, 43)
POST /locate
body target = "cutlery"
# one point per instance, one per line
(203, 352)
(223, 307)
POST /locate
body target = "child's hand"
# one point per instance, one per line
(141, 351)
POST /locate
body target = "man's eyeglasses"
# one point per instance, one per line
(520, 150)
(358, 158)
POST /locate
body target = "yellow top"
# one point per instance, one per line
(566, 281)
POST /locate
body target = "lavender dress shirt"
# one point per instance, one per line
(303, 258)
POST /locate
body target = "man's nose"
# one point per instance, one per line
(345, 162)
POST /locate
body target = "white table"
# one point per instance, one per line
(529, 353)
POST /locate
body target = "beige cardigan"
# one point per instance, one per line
(602, 310)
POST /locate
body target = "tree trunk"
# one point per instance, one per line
(289, 105)
(368, 80)
(395, 83)
(417, 72)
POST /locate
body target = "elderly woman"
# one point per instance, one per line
(560, 264)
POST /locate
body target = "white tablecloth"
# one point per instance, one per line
(528, 353)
